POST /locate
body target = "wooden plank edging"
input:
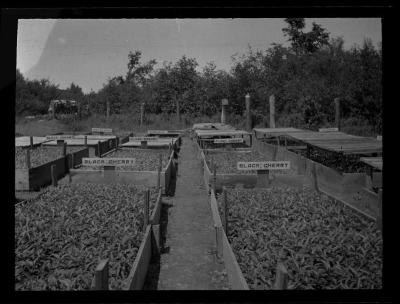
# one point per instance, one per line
(156, 213)
(137, 276)
(235, 275)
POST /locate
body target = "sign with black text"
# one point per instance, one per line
(228, 140)
(119, 162)
(266, 165)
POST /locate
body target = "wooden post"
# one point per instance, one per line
(159, 171)
(218, 241)
(248, 117)
(53, 176)
(98, 149)
(101, 275)
(308, 151)
(64, 149)
(28, 158)
(281, 281)
(337, 113)
(379, 219)
(108, 111)
(214, 177)
(143, 144)
(368, 177)
(141, 114)
(263, 178)
(225, 207)
(224, 103)
(86, 141)
(272, 111)
(31, 141)
(146, 208)
(314, 174)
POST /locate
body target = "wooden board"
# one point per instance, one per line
(24, 141)
(375, 162)
(211, 133)
(156, 214)
(273, 132)
(137, 276)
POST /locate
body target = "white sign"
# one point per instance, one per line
(379, 137)
(120, 162)
(59, 137)
(228, 140)
(157, 132)
(266, 165)
(144, 138)
(99, 130)
(328, 130)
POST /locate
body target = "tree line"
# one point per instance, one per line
(305, 77)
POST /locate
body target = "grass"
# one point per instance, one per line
(122, 123)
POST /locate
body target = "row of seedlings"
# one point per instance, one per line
(298, 238)
(86, 236)
(35, 165)
(124, 164)
(349, 188)
(295, 237)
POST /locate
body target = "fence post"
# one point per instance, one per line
(64, 149)
(248, 117)
(53, 176)
(28, 158)
(98, 149)
(281, 281)
(146, 208)
(86, 141)
(214, 177)
(218, 240)
(272, 111)
(337, 113)
(101, 275)
(31, 141)
(379, 219)
(159, 171)
(225, 206)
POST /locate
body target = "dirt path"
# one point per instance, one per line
(190, 262)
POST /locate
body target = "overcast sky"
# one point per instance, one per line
(87, 52)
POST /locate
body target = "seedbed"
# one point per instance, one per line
(145, 160)
(323, 243)
(62, 235)
(41, 161)
(143, 172)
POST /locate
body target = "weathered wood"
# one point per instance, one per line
(137, 276)
(156, 213)
(218, 241)
(156, 240)
(225, 208)
(146, 208)
(282, 278)
(28, 158)
(64, 149)
(101, 275)
(31, 142)
(379, 219)
(53, 176)
(337, 113)
(85, 141)
(248, 116)
(272, 111)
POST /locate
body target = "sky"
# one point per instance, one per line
(89, 51)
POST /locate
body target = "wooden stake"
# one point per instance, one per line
(214, 177)
(86, 141)
(31, 141)
(379, 219)
(337, 113)
(248, 117)
(146, 208)
(225, 206)
(64, 149)
(28, 158)
(159, 171)
(218, 241)
(272, 111)
(98, 149)
(53, 176)
(281, 281)
(101, 275)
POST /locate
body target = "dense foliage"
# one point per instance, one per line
(61, 236)
(323, 243)
(305, 77)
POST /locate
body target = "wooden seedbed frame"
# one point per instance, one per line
(149, 246)
(146, 178)
(103, 146)
(36, 177)
(337, 185)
